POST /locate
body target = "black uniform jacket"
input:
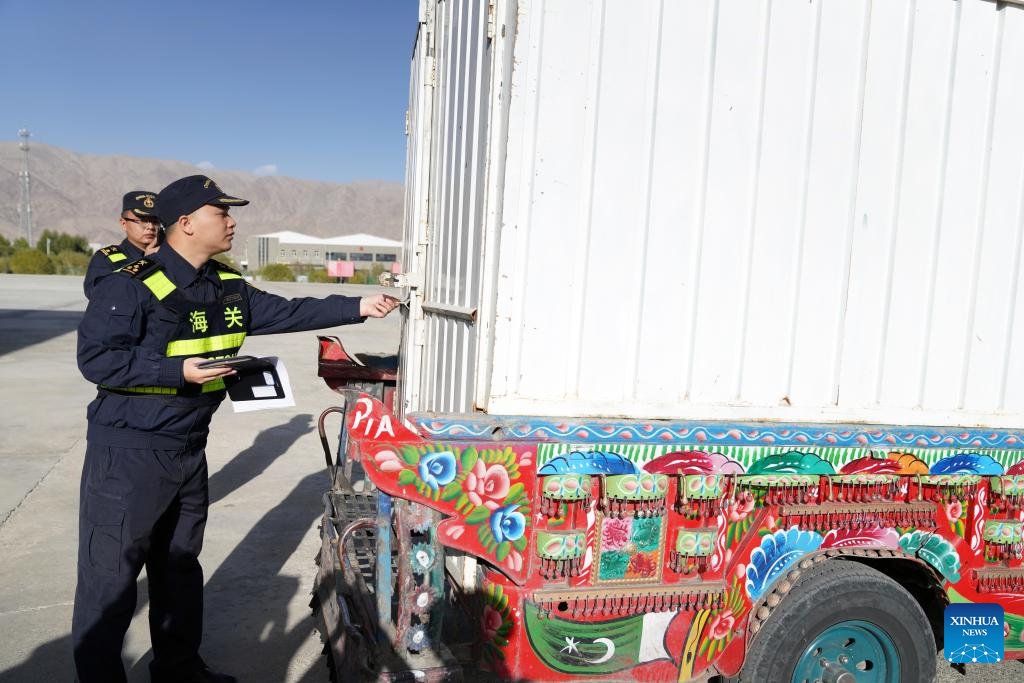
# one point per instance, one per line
(118, 347)
(100, 265)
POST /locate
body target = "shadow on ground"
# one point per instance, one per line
(20, 328)
(247, 631)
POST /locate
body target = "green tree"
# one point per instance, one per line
(277, 272)
(320, 275)
(6, 248)
(61, 241)
(32, 262)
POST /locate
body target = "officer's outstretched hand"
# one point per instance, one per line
(378, 305)
(197, 375)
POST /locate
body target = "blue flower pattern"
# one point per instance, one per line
(507, 524)
(438, 469)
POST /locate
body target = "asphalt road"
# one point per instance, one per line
(266, 480)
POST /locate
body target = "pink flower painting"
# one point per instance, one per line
(722, 624)
(487, 485)
(490, 622)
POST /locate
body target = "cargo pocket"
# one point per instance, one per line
(106, 528)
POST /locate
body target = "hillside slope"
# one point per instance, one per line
(81, 194)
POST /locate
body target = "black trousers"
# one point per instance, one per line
(139, 507)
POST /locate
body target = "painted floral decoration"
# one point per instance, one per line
(641, 565)
(507, 524)
(955, 514)
(419, 517)
(423, 600)
(422, 558)
(727, 622)
(614, 565)
(485, 487)
(416, 638)
(490, 622)
(615, 533)
(630, 548)
(739, 509)
(721, 624)
(437, 469)
(495, 622)
(647, 533)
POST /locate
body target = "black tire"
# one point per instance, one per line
(826, 594)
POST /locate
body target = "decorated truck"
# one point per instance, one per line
(710, 363)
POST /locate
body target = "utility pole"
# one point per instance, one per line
(25, 204)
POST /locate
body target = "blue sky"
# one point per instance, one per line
(313, 89)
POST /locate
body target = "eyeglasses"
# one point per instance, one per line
(150, 221)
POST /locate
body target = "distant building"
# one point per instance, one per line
(294, 248)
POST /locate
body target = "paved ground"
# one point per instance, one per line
(266, 479)
(267, 475)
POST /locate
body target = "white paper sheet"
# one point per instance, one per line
(267, 404)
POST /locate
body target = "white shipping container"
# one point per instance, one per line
(789, 210)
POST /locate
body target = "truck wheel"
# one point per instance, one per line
(842, 622)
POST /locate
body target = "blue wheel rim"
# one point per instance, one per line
(861, 648)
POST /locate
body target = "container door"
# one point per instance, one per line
(446, 222)
(417, 176)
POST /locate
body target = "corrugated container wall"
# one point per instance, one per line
(787, 210)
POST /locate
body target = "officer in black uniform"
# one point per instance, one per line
(142, 233)
(144, 493)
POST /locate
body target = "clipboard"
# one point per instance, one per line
(257, 379)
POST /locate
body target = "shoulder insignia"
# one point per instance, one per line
(112, 249)
(141, 268)
(223, 267)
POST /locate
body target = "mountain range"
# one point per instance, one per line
(80, 194)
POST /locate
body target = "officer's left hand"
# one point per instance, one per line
(197, 375)
(378, 305)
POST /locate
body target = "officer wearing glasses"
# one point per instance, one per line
(142, 234)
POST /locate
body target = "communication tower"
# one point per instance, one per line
(25, 203)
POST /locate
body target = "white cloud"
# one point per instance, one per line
(266, 169)
(205, 165)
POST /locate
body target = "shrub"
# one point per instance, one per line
(320, 275)
(277, 272)
(71, 263)
(32, 262)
